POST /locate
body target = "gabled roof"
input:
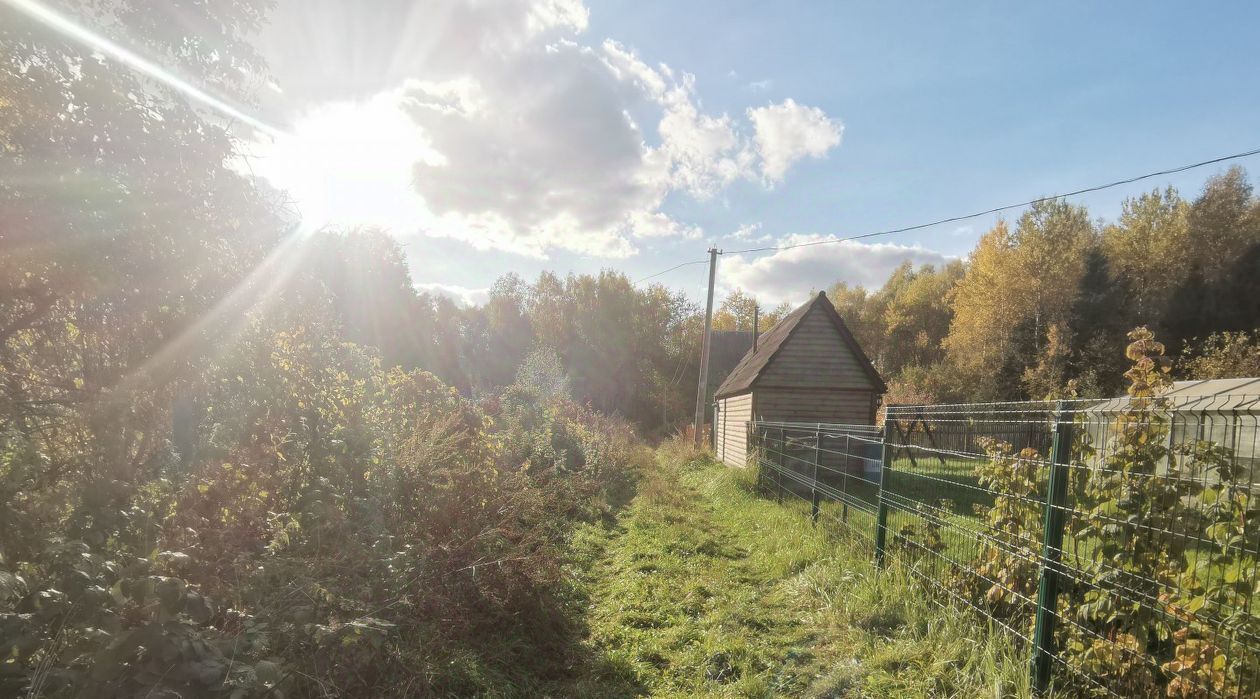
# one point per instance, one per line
(750, 367)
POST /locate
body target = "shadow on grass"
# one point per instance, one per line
(520, 629)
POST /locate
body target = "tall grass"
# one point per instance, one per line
(704, 588)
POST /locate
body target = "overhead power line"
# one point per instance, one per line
(1008, 207)
(964, 217)
(671, 269)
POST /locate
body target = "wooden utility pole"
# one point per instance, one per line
(702, 390)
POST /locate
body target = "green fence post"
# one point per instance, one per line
(813, 484)
(1051, 550)
(881, 518)
(764, 458)
(844, 476)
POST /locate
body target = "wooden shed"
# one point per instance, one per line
(807, 368)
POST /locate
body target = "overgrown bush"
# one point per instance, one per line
(331, 528)
(1005, 575)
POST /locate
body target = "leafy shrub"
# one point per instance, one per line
(1005, 575)
(1225, 355)
(330, 527)
(1162, 538)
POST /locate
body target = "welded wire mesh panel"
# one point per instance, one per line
(965, 501)
(1160, 551)
(1152, 539)
(831, 469)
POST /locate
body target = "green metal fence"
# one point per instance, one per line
(1116, 541)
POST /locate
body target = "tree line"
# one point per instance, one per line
(1042, 305)
(1040, 308)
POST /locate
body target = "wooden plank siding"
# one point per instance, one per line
(852, 407)
(734, 413)
(815, 356)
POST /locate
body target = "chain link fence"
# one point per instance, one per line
(1116, 540)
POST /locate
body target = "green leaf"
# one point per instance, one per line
(268, 672)
(170, 592)
(198, 607)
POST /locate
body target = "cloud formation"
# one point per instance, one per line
(749, 231)
(791, 275)
(534, 138)
(788, 132)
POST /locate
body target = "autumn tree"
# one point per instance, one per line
(1149, 248)
(123, 229)
(739, 309)
(862, 314)
(499, 334)
(1098, 327)
(1219, 290)
(1227, 355)
(736, 312)
(917, 314)
(1224, 221)
(1018, 285)
(625, 349)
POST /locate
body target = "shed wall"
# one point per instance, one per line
(855, 407)
(734, 413)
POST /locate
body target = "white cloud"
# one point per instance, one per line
(523, 137)
(698, 153)
(787, 132)
(657, 225)
(749, 233)
(791, 274)
(746, 231)
(550, 160)
(461, 295)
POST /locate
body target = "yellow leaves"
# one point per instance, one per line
(1148, 376)
(1147, 246)
(1030, 277)
(1199, 668)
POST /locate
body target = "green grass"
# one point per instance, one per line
(703, 588)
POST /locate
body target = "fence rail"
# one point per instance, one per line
(1116, 541)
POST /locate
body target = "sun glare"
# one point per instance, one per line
(136, 62)
(349, 163)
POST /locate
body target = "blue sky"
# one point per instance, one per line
(945, 108)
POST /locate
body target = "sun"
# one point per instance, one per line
(349, 163)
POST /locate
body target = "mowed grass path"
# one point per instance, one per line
(703, 588)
